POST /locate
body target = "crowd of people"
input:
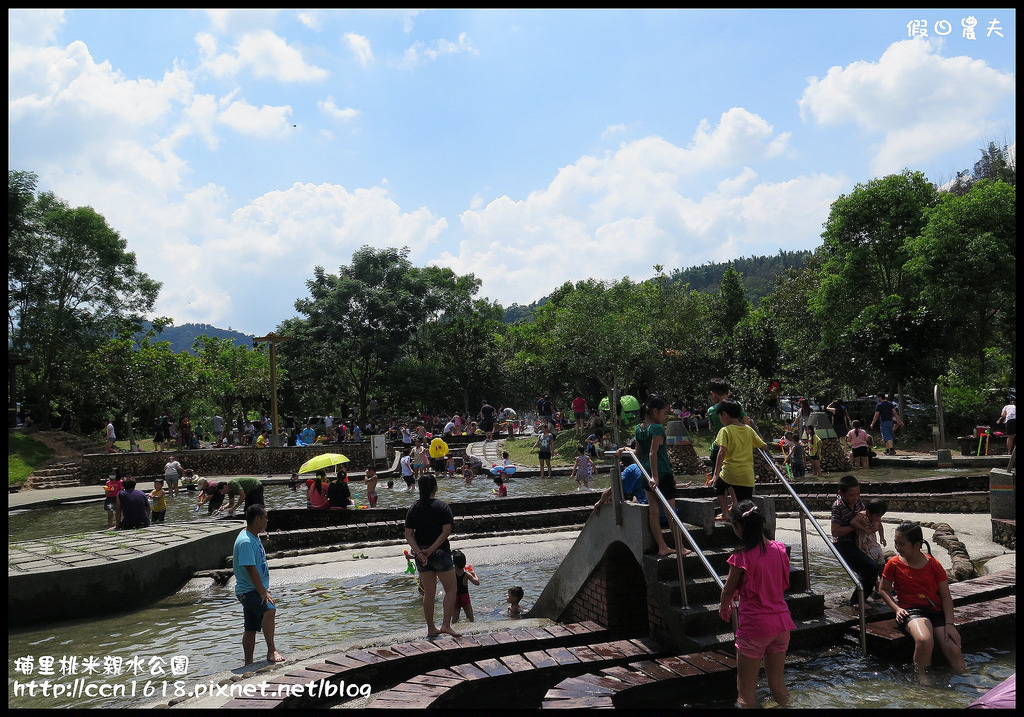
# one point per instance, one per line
(911, 583)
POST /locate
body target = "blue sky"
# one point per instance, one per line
(236, 150)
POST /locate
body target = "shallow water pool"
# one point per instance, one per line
(204, 625)
(78, 518)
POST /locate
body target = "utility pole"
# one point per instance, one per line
(273, 339)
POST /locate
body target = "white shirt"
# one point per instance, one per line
(1010, 410)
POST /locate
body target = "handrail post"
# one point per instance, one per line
(677, 538)
(803, 510)
(803, 544)
(617, 497)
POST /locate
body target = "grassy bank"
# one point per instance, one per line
(24, 455)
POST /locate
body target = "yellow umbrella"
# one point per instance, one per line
(324, 460)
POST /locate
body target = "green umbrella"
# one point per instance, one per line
(628, 403)
(324, 460)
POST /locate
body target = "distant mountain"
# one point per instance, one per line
(759, 274)
(182, 337)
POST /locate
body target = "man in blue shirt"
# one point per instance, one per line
(634, 485)
(886, 417)
(252, 579)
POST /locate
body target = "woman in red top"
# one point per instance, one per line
(923, 605)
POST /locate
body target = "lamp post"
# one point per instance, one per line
(272, 339)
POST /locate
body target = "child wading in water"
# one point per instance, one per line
(923, 605)
(583, 468)
(514, 597)
(759, 571)
(464, 575)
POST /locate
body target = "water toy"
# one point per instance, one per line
(409, 568)
(502, 470)
(358, 555)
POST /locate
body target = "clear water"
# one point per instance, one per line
(841, 678)
(73, 519)
(205, 626)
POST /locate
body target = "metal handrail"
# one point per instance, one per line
(678, 530)
(805, 514)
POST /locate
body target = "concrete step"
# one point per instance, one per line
(705, 589)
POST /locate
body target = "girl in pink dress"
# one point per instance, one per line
(759, 572)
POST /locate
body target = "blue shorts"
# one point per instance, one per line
(440, 561)
(253, 610)
(886, 428)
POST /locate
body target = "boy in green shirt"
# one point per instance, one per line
(734, 467)
(719, 389)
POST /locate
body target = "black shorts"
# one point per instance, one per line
(410, 480)
(1011, 427)
(938, 618)
(743, 492)
(667, 486)
(544, 455)
(860, 452)
(437, 464)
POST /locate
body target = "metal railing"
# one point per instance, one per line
(805, 515)
(679, 531)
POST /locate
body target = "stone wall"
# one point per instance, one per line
(1004, 532)
(685, 461)
(225, 461)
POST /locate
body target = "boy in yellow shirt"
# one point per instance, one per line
(158, 497)
(734, 466)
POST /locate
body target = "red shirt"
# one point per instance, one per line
(579, 405)
(915, 587)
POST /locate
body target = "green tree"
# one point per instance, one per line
(965, 260)
(237, 378)
(72, 284)
(732, 300)
(357, 324)
(136, 374)
(863, 275)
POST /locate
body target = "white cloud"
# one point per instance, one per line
(360, 48)
(918, 102)
(31, 28)
(311, 18)
(264, 53)
(241, 21)
(650, 202)
(253, 121)
(334, 112)
(421, 52)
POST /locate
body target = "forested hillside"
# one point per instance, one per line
(759, 273)
(182, 337)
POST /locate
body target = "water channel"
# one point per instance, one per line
(327, 603)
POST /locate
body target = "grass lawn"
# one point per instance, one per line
(24, 455)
